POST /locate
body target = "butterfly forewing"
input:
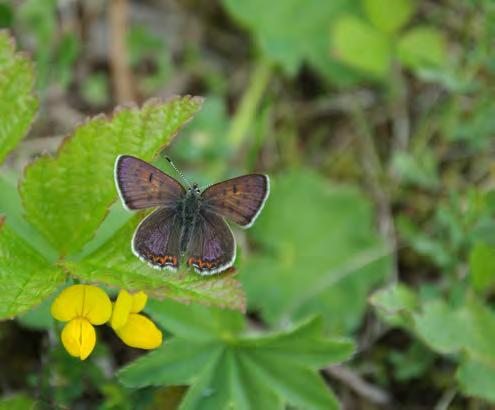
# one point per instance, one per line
(157, 238)
(212, 245)
(239, 199)
(141, 185)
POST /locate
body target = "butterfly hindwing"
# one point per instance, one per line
(212, 245)
(239, 199)
(141, 185)
(157, 239)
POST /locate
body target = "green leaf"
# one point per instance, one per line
(439, 325)
(477, 379)
(11, 207)
(362, 46)
(67, 196)
(419, 168)
(17, 402)
(40, 317)
(114, 264)
(26, 278)
(389, 16)
(395, 304)
(228, 368)
(319, 250)
(482, 266)
(289, 32)
(422, 47)
(470, 328)
(424, 244)
(18, 105)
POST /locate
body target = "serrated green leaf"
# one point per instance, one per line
(361, 46)
(389, 15)
(67, 196)
(229, 369)
(289, 32)
(422, 47)
(318, 250)
(477, 379)
(40, 317)
(26, 278)
(114, 264)
(482, 266)
(18, 105)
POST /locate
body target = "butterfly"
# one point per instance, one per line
(188, 224)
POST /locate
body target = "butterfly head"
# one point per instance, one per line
(194, 189)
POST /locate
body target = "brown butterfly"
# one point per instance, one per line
(188, 224)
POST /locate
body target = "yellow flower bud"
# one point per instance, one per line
(79, 338)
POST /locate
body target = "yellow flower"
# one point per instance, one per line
(81, 306)
(134, 330)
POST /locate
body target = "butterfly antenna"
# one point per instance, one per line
(178, 172)
(205, 186)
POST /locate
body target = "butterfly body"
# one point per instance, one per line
(189, 211)
(187, 224)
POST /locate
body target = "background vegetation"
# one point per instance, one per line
(368, 280)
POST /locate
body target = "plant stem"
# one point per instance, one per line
(374, 174)
(121, 73)
(251, 98)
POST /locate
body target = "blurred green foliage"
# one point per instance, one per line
(311, 245)
(374, 119)
(371, 44)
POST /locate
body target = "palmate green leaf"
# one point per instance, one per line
(18, 105)
(319, 250)
(67, 196)
(290, 32)
(229, 368)
(115, 265)
(26, 278)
